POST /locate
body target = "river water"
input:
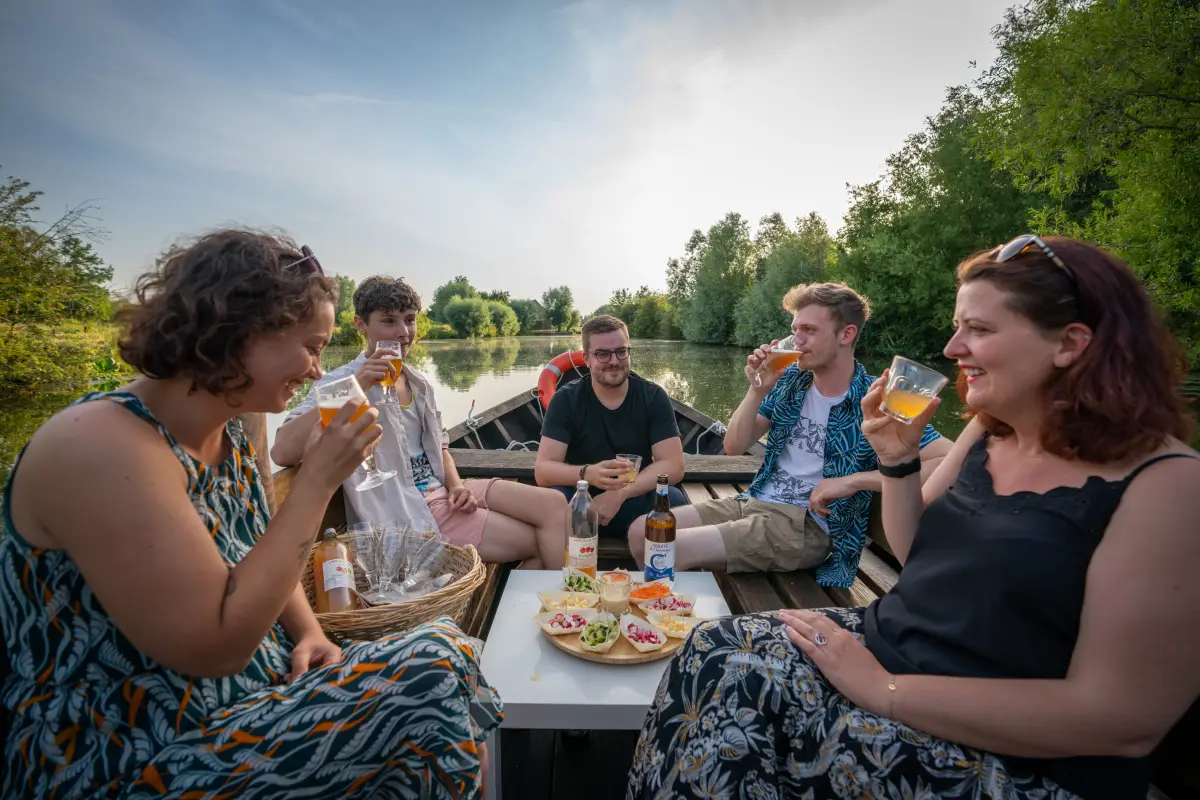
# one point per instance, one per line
(490, 371)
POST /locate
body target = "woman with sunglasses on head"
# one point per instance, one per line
(160, 643)
(1036, 644)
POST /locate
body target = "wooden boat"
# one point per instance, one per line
(502, 441)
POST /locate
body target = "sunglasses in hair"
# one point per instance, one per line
(1024, 242)
(311, 265)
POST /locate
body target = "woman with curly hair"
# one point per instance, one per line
(161, 645)
(1040, 640)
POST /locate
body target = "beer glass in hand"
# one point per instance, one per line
(331, 397)
(780, 355)
(397, 362)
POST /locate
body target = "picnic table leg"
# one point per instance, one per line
(491, 786)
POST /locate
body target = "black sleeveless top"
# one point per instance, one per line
(993, 588)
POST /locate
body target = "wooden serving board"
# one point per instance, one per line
(622, 652)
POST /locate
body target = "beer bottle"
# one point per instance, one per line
(584, 536)
(660, 536)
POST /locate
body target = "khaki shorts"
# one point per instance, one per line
(765, 537)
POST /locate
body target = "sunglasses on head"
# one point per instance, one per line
(309, 262)
(1024, 242)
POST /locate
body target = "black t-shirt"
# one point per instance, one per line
(593, 433)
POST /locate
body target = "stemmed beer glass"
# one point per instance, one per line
(331, 397)
(397, 362)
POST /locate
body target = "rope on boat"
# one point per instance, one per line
(537, 404)
(716, 428)
(530, 446)
(473, 425)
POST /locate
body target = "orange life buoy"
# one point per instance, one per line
(548, 382)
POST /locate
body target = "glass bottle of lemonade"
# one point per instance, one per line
(333, 576)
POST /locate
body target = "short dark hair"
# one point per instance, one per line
(1118, 400)
(384, 293)
(601, 323)
(846, 306)
(195, 312)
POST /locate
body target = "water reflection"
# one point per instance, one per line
(487, 372)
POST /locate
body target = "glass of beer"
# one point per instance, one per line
(614, 592)
(331, 397)
(631, 476)
(910, 389)
(397, 362)
(779, 356)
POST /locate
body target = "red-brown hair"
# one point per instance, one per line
(1120, 399)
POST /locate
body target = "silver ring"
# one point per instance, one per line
(820, 639)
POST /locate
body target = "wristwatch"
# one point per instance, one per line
(900, 470)
(583, 470)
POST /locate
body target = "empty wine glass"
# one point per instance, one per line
(331, 397)
(397, 362)
(779, 355)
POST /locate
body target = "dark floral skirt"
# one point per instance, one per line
(742, 713)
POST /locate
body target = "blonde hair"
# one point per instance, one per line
(846, 306)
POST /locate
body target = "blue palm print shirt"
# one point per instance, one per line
(847, 451)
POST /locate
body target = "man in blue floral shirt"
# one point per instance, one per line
(810, 503)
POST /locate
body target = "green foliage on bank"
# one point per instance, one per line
(1087, 125)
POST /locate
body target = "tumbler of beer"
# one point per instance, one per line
(780, 355)
(910, 389)
(631, 476)
(331, 397)
(397, 362)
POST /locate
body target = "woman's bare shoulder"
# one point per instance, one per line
(85, 449)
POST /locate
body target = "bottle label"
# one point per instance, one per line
(661, 489)
(338, 574)
(581, 553)
(660, 561)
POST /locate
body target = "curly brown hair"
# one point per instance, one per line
(196, 311)
(384, 293)
(1121, 398)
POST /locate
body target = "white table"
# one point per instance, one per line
(544, 688)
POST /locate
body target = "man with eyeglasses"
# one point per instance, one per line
(612, 411)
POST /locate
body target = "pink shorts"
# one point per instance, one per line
(460, 527)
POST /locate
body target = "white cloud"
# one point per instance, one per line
(677, 118)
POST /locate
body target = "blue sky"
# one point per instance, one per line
(522, 144)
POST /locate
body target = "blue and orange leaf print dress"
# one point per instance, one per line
(93, 717)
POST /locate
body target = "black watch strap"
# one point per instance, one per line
(901, 470)
(583, 470)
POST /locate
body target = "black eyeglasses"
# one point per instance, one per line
(309, 261)
(622, 354)
(1024, 242)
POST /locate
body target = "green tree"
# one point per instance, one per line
(52, 294)
(681, 276)
(531, 315)
(504, 319)
(1102, 100)
(796, 258)
(560, 307)
(470, 317)
(724, 274)
(442, 295)
(499, 296)
(345, 289)
(940, 200)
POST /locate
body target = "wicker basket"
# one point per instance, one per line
(452, 600)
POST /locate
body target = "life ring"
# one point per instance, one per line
(555, 371)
